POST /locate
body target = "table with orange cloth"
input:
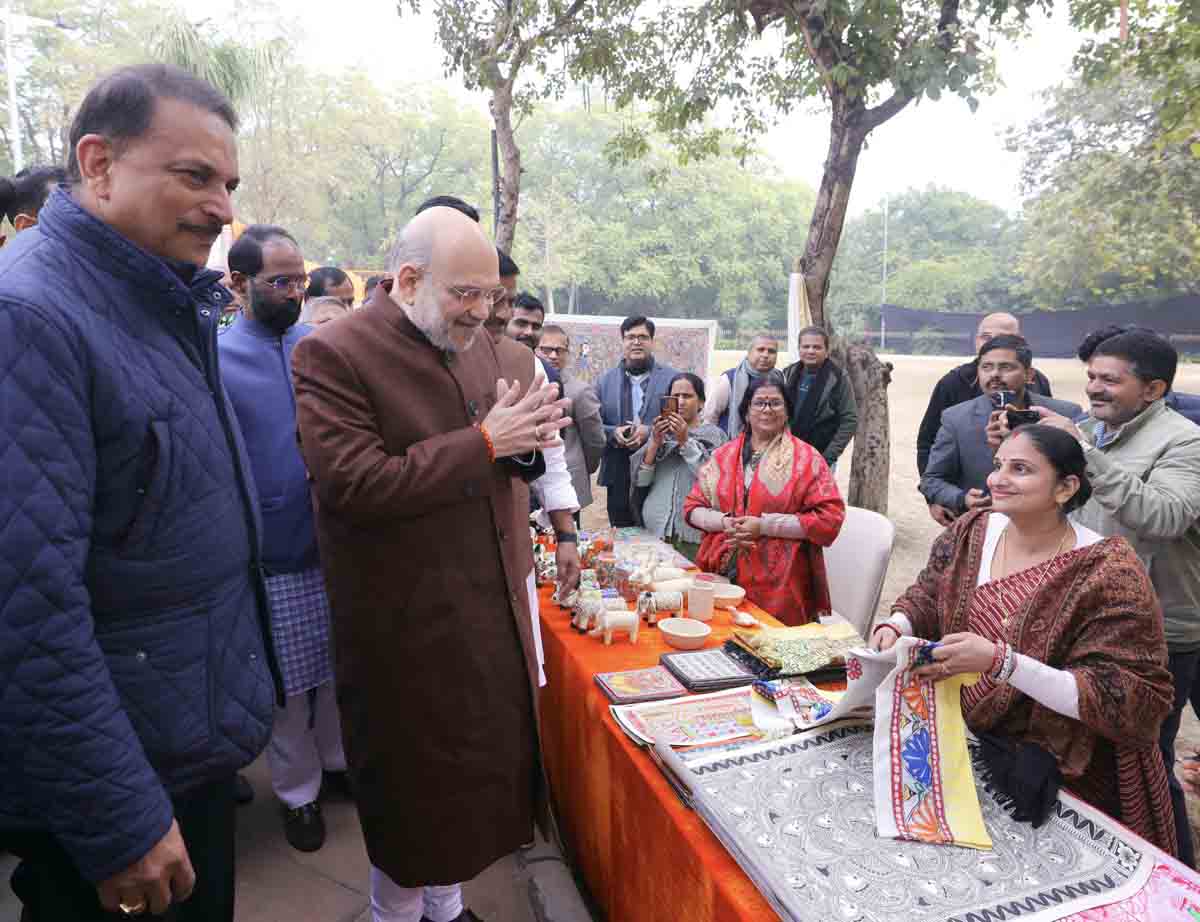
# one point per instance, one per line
(643, 854)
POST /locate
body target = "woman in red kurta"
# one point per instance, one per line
(768, 504)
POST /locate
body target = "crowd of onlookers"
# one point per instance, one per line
(243, 511)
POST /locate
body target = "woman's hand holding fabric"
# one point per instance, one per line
(883, 638)
(957, 653)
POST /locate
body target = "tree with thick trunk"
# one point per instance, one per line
(493, 46)
(865, 61)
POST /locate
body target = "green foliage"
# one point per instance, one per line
(1113, 208)
(755, 60)
(707, 239)
(1162, 51)
(947, 251)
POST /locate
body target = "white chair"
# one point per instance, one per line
(857, 563)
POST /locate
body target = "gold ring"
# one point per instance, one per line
(133, 909)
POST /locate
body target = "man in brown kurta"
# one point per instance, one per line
(409, 437)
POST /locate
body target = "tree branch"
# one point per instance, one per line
(874, 117)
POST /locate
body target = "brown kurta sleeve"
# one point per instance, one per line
(1119, 653)
(344, 450)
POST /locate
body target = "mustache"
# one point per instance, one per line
(213, 229)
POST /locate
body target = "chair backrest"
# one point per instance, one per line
(857, 563)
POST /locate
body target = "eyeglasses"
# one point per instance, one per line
(766, 404)
(637, 338)
(284, 282)
(552, 351)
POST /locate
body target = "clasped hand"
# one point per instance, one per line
(518, 425)
(743, 531)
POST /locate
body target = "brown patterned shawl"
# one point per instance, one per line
(1099, 618)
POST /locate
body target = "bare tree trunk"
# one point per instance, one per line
(510, 165)
(871, 461)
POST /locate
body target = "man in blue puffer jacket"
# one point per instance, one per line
(136, 674)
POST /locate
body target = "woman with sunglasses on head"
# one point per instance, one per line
(663, 470)
(1065, 630)
(767, 504)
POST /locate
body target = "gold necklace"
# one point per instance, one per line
(1004, 568)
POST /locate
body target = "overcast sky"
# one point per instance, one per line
(940, 142)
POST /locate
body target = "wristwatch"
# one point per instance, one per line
(566, 537)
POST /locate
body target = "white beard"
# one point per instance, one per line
(427, 317)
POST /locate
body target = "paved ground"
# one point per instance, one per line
(277, 883)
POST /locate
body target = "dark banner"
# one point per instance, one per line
(1052, 334)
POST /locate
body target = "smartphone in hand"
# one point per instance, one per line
(668, 405)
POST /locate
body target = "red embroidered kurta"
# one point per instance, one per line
(786, 577)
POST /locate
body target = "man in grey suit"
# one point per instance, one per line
(629, 402)
(585, 439)
(955, 479)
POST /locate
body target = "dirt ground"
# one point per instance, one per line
(912, 382)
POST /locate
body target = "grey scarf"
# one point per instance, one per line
(741, 381)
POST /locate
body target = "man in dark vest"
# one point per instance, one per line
(824, 413)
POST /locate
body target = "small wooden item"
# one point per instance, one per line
(610, 622)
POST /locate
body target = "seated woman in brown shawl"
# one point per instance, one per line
(1063, 625)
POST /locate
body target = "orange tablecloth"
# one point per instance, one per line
(643, 854)
(647, 857)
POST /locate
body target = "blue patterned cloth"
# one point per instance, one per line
(300, 629)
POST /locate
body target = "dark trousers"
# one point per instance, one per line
(620, 512)
(1183, 668)
(52, 890)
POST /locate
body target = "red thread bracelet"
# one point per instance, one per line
(889, 626)
(487, 439)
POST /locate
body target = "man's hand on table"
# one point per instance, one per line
(566, 558)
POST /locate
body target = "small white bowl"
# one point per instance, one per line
(727, 595)
(684, 633)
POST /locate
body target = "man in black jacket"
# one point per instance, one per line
(962, 383)
(824, 412)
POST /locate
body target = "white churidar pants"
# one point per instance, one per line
(393, 903)
(299, 752)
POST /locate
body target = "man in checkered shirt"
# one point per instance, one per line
(267, 272)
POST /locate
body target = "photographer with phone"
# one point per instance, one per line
(629, 398)
(962, 457)
(665, 468)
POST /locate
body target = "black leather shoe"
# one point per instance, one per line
(337, 785)
(465, 916)
(304, 827)
(243, 793)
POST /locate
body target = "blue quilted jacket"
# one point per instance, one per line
(134, 662)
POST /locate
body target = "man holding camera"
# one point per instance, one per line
(955, 479)
(629, 397)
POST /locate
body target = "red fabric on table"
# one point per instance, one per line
(643, 854)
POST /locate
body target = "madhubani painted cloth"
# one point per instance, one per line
(300, 629)
(798, 815)
(924, 784)
(1096, 615)
(785, 577)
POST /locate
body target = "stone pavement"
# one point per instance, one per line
(277, 883)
